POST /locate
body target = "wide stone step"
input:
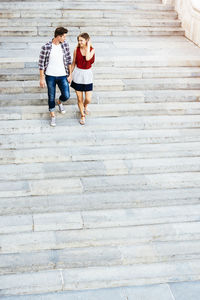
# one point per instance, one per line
(95, 14)
(103, 97)
(101, 1)
(32, 86)
(169, 291)
(167, 40)
(74, 31)
(131, 235)
(108, 22)
(110, 73)
(156, 252)
(151, 130)
(77, 220)
(98, 200)
(99, 183)
(119, 61)
(98, 277)
(93, 153)
(49, 169)
(84, 6)
(103, 110)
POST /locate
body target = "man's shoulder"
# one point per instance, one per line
(47, 45)
(65, 44)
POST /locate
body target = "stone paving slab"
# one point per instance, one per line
(31, 283)
(150, 181)
(186, 290)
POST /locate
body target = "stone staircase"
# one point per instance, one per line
(116, 202)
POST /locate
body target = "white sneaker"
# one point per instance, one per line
(61, 108)
(53, 121)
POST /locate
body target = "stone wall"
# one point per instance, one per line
(189, 14)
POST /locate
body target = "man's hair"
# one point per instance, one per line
(60, 31)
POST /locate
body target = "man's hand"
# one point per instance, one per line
(42, 83)
(69, 79)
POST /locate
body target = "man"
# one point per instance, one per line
(55, 68)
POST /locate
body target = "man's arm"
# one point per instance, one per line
(69, 78)
(69, 61)
(41, 67)
(42, 79)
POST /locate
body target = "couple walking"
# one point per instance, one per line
(56, 68)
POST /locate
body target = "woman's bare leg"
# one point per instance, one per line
(80, 102)
(81, 106)
(88, 99)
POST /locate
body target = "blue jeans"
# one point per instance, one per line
(63, 85)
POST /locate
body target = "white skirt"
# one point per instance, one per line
(82, 80)
(82, 76)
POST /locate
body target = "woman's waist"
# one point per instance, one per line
(84, 69)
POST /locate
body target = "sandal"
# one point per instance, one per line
(86, 111)
(82, 120)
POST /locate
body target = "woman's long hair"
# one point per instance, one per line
(85, 36)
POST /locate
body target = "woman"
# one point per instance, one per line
(82, 78)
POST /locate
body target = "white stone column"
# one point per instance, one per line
(189, 14)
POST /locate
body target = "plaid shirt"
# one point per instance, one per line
(45, 54)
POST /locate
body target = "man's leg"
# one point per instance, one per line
(64, 89)
(51, 87)
(65, 94)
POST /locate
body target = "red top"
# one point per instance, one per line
(81, 61)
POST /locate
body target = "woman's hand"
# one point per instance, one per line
(88, 44)
(69, 79)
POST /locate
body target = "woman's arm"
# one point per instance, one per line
(89, 54)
